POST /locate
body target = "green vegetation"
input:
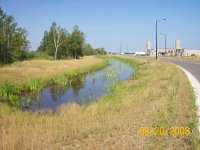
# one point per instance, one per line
(13, 40)
(34, 84)
(89, 50)
(7, 89)
(10, 91)
(57, 43)
(60, 79)
(158, 95)
(67, 77)
(21, 72)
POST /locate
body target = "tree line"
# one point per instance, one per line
(56, 43)
(60, 44)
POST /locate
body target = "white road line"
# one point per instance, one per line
(196, 86)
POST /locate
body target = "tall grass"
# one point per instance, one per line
(34, 84)
(158, 95)
(67, 77)
(21, 72)
(60, 79)
(8, 93)
(7, 89)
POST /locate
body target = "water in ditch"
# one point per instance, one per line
(81, 89)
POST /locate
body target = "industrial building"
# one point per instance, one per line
(176, 51)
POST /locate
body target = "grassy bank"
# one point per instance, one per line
(159, 95)
(58, 72)
(21, 72)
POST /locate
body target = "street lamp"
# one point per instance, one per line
(156, 36)
(165, 41)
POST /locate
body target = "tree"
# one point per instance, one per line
(13, 42)
(20, 44)
(58, 43)
(58, 37)
(76, 42)
(53, 40)
(101, 51)
(88, 50)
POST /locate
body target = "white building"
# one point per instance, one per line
(176, 51)
(140, 53)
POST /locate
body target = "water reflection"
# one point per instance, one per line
(77, 84)
(81, 89)
(57, 91)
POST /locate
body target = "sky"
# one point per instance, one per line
(106, 23)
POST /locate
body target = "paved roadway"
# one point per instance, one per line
(191, 66)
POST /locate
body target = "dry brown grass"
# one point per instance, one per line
(160, 95)
(20, 72)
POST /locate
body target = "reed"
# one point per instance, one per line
(14, 101)
(8, 93)
(60, 79)
(7, 89)
(34, 84)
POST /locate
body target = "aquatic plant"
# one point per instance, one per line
(34, 84)
(83, 101)
(7, 89)
(113, 87)
(61, 79)
(91, 98)
(94, 75)
(25, 101)
(14, 100)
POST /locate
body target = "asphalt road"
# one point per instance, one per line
(191, 66)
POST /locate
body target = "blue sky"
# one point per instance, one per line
(107, 22)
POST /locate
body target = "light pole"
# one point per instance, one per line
(165, 42)
(157, 35)
(121, 46)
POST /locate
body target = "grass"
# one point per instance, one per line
(67, 77)
(158, 95)
(7, 89)
(7, 93)
(12, 85)
(34, 84)
(20, 72)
